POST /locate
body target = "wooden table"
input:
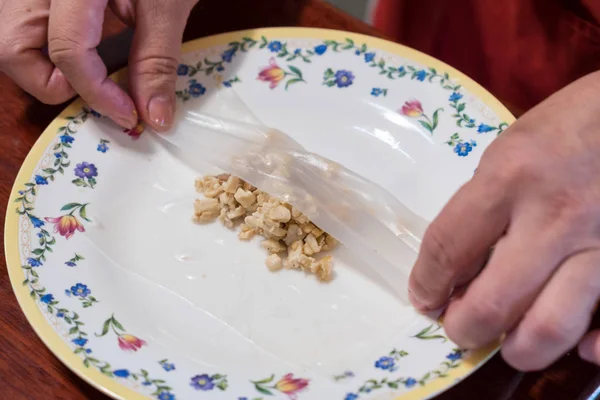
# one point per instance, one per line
(29, 371)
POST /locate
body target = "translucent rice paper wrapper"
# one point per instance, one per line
(367, 219)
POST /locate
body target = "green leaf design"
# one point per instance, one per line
(222, 385)
(83, 212)
(291, 82)
(435, 118)
(70, 206)
(461, 107)
(117, 324)
(295, 71)
(263, 390)
(105, 328)
(264, 381)
(426, 125)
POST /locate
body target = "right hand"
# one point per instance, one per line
(72, 29)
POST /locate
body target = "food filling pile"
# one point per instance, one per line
(290, 238)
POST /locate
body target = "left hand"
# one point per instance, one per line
(536, 199)
(74, 31)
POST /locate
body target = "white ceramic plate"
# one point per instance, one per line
(182, 311)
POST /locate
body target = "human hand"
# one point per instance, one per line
(536, 198)
(73, 29)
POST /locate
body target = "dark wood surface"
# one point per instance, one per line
(29, 371)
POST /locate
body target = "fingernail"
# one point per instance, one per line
(127, 121)
(160, 110)
(416, 303)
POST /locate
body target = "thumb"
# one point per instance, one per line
(154, 58)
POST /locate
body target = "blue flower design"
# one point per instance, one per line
(202, 382)
(385, 363)
(369, 57)
(67, 139)
(220, 68)
(146, 383)
(40, 180)
(95, 113)
(57, 155)
(121, 373)
(88, 351)
(457, 355)
(166, 396)
(60, 314)
(401, 69)
(183, 70)
(376, 92)
(357, 52)
(455, 96)
(21, 192)
(168, 366)
(196, 89)
(47, 298)
(242, 398)
(40, 235)
(227, 84)
(421, 75)
(463, 149)
(80, 290)
(102, 147)
(80, 341)
(34, 262)
(320, 49)
(86, 170)
(70, 264)
(228, 54)
(36, 222)
(410, 382)
(275, 46)
(297, 51)
(344, 78)
(351, 396)
(483, 128)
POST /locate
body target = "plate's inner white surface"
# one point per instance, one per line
(235, 312)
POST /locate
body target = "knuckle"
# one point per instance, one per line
(523, 360)
(438, 246)
(517, 168)
(488, 312)
(63, 49)
(553, 330)
(10, 49)
(157, 65)
(567, 205)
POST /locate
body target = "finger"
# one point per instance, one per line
(589, 347)
(559, 317)
(34, 72)
(520, 265)
(25, 32)
(457, 242)
(74, 32)
(154, 58)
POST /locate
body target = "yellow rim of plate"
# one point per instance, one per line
(110, 386)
